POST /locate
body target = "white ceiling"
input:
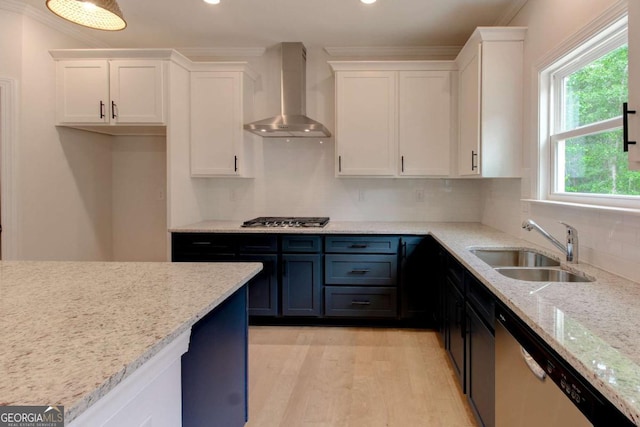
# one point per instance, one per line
(317, 23)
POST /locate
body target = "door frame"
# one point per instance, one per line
(8, 162)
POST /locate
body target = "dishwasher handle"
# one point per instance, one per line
(533, 365)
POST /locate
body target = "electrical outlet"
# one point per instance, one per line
(419, 195)
(160, 194)
(361, 195)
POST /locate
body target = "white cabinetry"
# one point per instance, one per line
(634, 84)
(490, 103)
(393, 118)
(110, 92)
(221, 102)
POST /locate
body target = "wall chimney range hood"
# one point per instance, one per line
(293, 122)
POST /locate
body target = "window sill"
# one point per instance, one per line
(609, 209)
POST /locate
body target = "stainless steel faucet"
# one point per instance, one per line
(570, 249)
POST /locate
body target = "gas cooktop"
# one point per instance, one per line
(287, 221)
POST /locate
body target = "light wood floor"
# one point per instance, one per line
(355, 377)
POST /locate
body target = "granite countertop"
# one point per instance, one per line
(71, 331)
(595, 326)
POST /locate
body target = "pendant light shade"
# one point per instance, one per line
(98, 14)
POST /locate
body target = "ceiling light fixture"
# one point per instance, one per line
(368, 1)
(97, 14)
(212, 1)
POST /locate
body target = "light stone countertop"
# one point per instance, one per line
(71, 331)
(595, 326)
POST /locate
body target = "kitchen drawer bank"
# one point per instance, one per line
(321, 279)
(108, 341)
(599, 334)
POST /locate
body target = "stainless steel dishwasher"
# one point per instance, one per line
(535, 387)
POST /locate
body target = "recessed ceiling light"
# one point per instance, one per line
(368, 1)
(215, 1)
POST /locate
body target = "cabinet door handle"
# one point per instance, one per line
(404, 250)
(625, 127)
(101, 110)
(339, 163)
(402, 163)
(284, 268)
(235, 163)
(474, 163)
(360, 303)
(113, 110)
(359, 271)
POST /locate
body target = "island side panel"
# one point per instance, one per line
(214, 370)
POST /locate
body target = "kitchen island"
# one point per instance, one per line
(71, 332)
(594, 326)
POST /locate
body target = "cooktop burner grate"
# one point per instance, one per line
(287, 221)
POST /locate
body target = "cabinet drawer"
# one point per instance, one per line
(362, 245)
(345, 301)
(376, 270)
(257, 243)
(305, 244)
(201, 246)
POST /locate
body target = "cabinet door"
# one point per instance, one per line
(82, 91)
(216, 123)
(634, 83)
(456, 330)
(480, 369)
(417, 279)
(366, 123)
(263, 288)
(469, 115)
(301, 285)
(424, 122)
(137, 91)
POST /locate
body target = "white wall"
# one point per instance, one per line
(609, 240)
(139, 207)
(75, 189)
(64, 176)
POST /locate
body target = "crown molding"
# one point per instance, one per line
(51, 21)
(425, 52)
(219, 52)
(511, 12)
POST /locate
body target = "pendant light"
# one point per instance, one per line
(98, 14)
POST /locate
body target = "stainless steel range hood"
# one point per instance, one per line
(293, 121)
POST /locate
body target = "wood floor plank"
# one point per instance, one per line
(351, 377)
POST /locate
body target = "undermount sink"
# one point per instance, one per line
(542, 274)
(514, 258)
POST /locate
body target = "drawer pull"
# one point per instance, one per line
(360, 271)
(358, 246)
(361, 303)
(201, 243)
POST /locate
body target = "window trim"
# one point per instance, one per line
(602, 36)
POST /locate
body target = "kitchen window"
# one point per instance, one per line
(581, 99)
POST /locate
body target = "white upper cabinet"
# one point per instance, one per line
(634, 84)
(366, 123)
(393, 118)
(490, 103)
(221, 102)
(110, 92)
(424, 123)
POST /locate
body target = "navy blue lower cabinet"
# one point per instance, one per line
(214, 369)
(360, 301)
(301, 285)
(364, 270)
(480, 369)
(263, 288)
